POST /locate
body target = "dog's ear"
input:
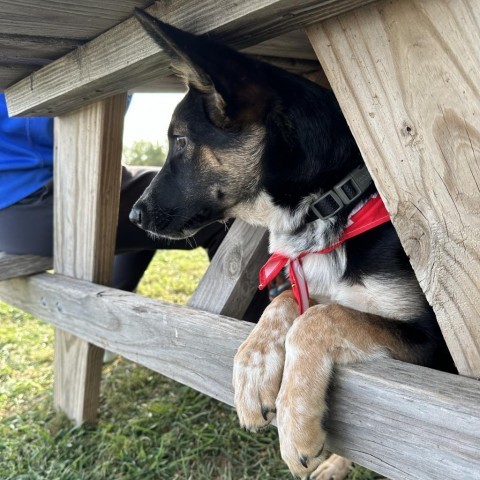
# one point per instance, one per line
(231, 81)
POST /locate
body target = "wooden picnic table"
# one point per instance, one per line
(406, 74)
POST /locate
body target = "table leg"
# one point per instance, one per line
(88, 146)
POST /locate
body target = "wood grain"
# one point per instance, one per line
(79, 20)
(231, 281)
(125, 57)
(88, 146)
(12, 266)
(407, 78)
(291, 51)
(405, 422)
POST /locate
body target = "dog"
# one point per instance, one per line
(255, 142)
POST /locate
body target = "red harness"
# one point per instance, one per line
(371, 215)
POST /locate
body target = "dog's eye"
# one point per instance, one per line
(180, 142)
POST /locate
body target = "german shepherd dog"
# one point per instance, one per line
(255, 142)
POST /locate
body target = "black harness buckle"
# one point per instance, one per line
(345, 192)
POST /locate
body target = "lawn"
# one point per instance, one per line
(150, 428)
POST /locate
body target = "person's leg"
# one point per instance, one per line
(129, 268)
(26, 228)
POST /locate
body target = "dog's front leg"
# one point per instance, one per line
(323, 336)
(258, 364)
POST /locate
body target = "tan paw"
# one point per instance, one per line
(257, 374)
(258, 364)
(334, 468)
(301, 403)
(302, 437)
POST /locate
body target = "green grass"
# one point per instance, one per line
(150, 428)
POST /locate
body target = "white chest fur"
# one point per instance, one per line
(391, 298)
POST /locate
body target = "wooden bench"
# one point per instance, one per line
(405, 73)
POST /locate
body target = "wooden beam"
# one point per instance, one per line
(231, 281)
(88, 149)
(405, 422)
(12, 266)
(64, 18)
(125, 56)
(406, 75)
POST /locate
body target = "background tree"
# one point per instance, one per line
(144, 153)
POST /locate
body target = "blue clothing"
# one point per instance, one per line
(26, 155)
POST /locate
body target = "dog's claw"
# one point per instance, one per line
(320, 452)
(304, 461)
(266, 411)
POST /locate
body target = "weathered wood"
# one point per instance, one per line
(88, 148)
(79, 20)
(34, 50)
(407, 78)
(11, 74)
(231, 280)
(125, 57)
(87, 189)
(294, 44)
(44, 31)
(403, 421)
(12, 266)
(291, 51)
(173, 83)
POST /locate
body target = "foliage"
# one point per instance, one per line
(144, 153)
(150, 428)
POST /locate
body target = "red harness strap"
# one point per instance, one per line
(371, 215)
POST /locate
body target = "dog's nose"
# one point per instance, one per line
(135, 216)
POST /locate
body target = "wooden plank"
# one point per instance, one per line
(30, 52)
(42, 49)
(406, 75)
(88, 148)
(87, 189)
(291, 51)
(81, 20)
(12, 266)
(125, 57)
(405, 422)
(291, 45)
(231, 281)
(10, 74)
(173, 83)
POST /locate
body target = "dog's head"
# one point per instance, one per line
(248, 140)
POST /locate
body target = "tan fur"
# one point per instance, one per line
(323, 336)
(334, 467)
(258, 364)
(306, 353)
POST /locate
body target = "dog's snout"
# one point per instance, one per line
(135, 216)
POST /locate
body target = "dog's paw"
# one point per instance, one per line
(258, 364)
(302, 437)
(301, 402)
(334, 467)
(257, 374)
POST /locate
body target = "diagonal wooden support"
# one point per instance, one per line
(88, 147)
(231, 281)
(406, 75)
